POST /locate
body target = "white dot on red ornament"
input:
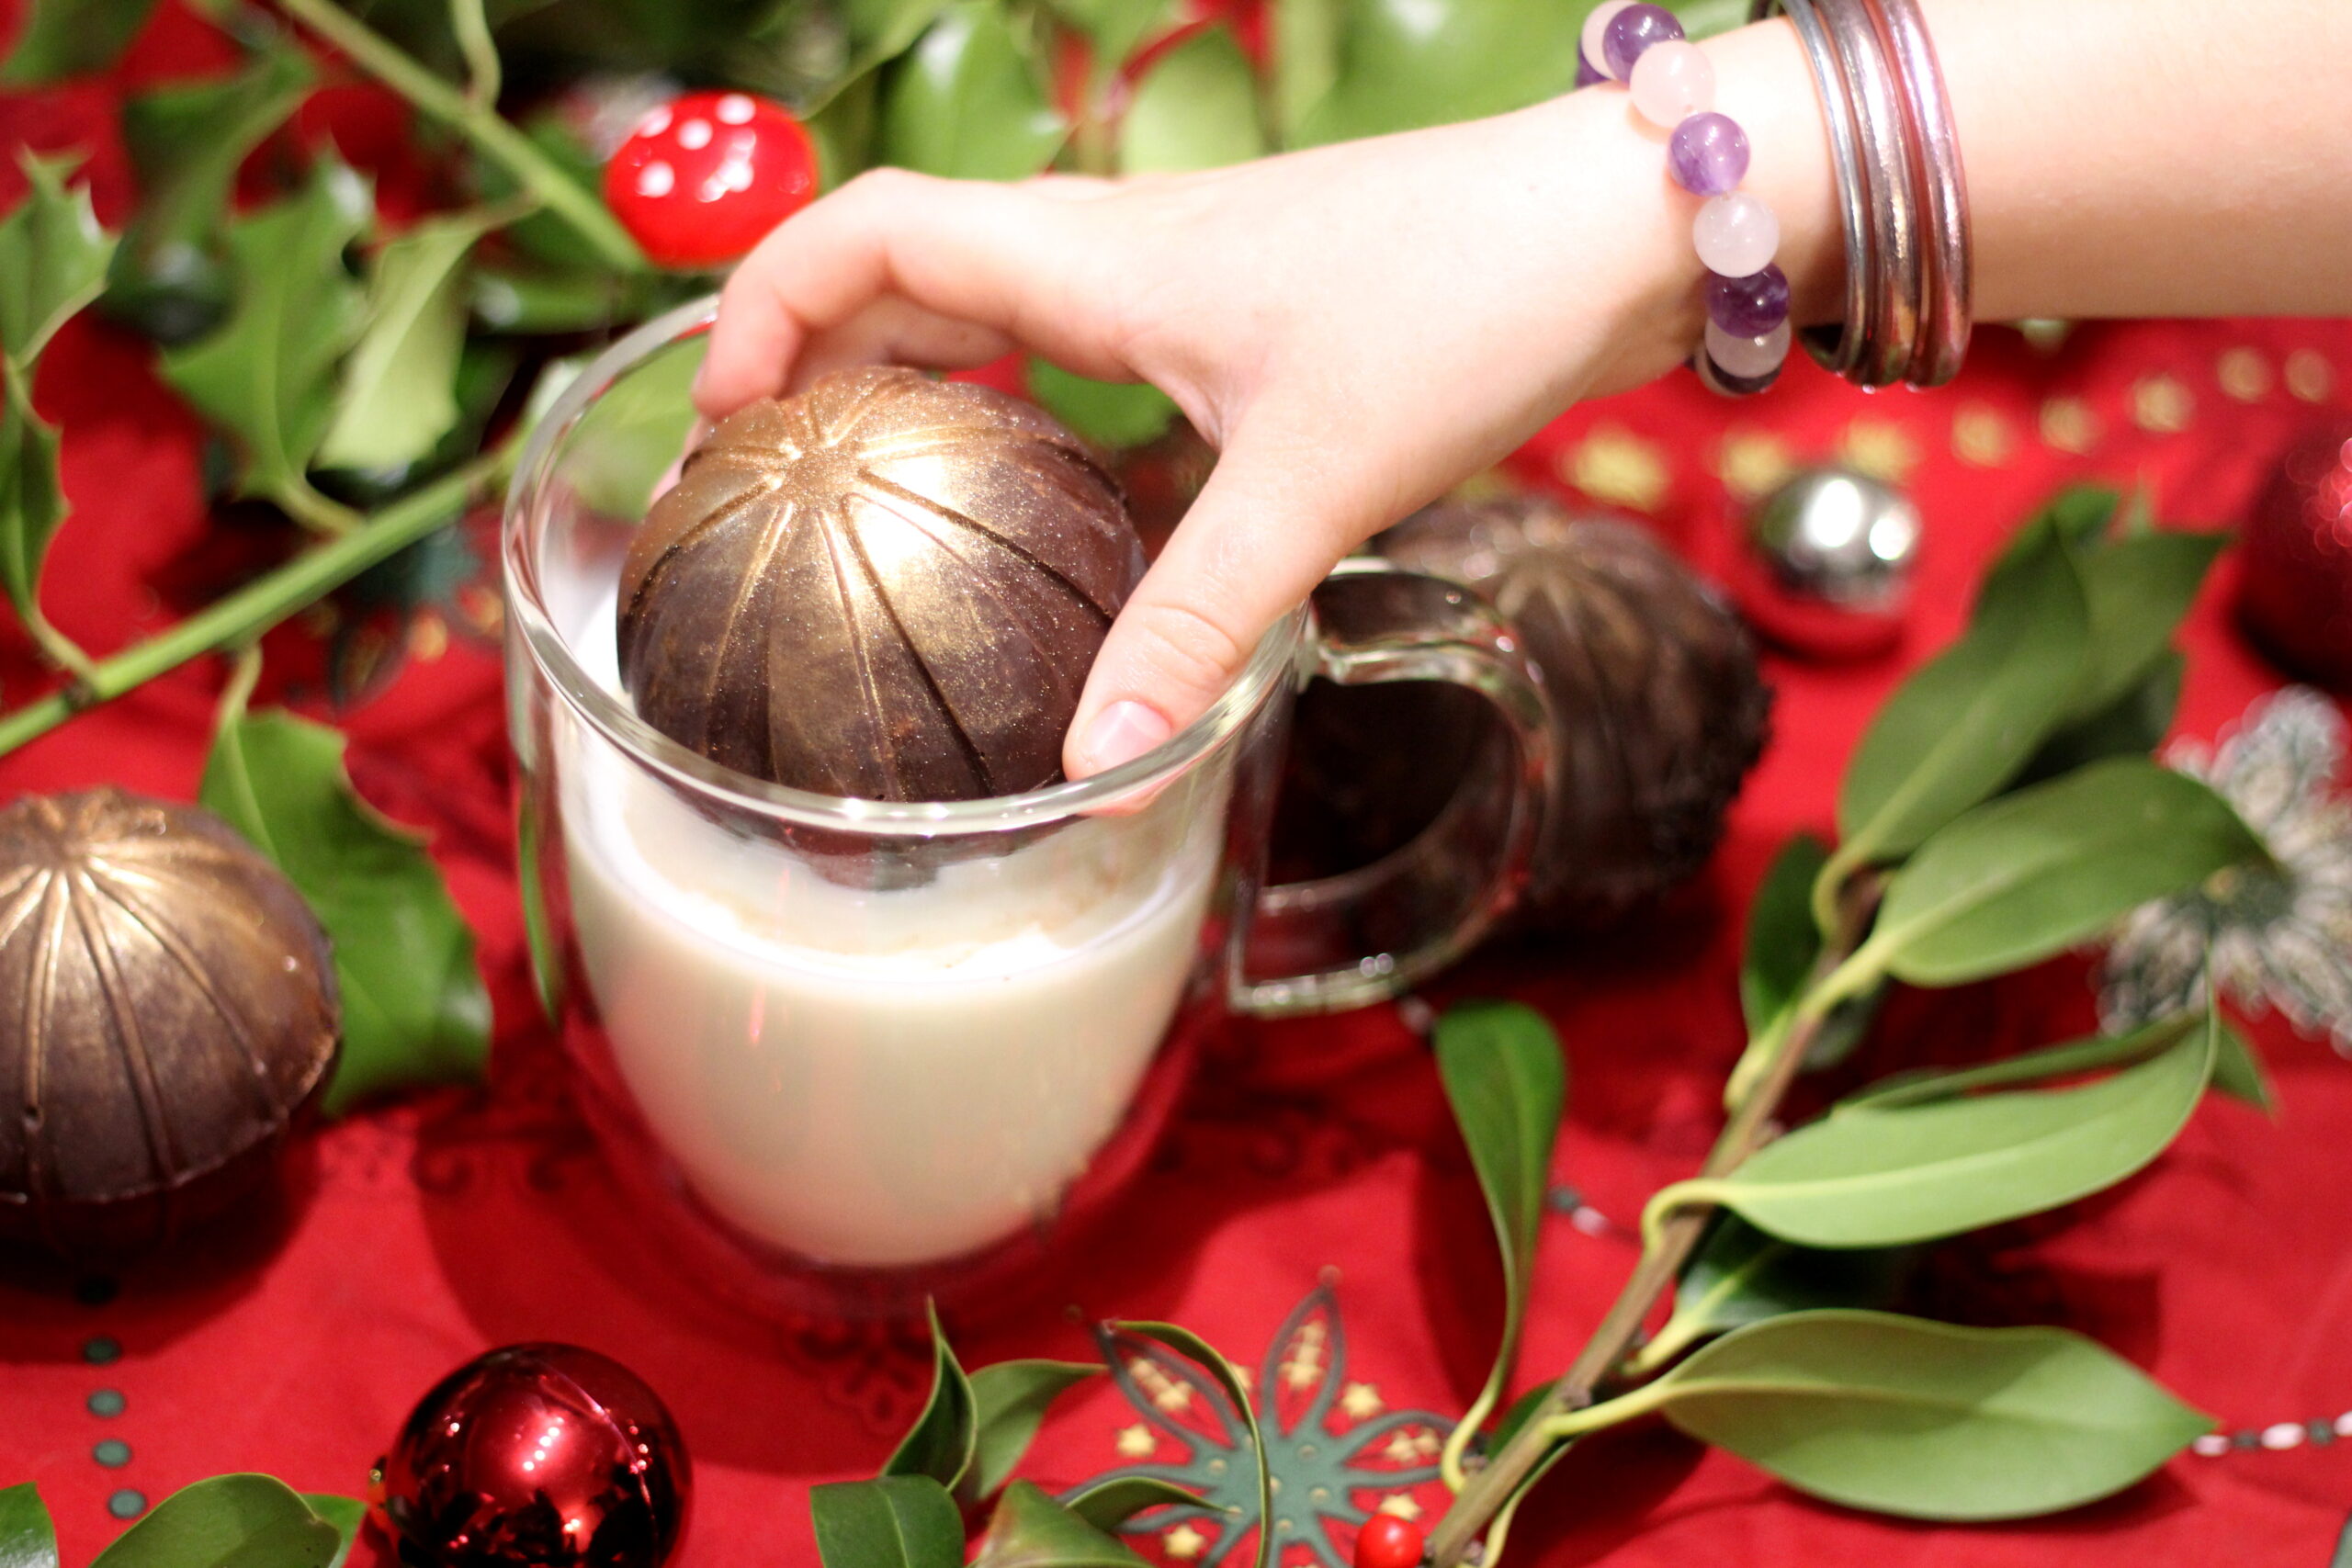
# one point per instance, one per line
(2285, 1435)
(2212, 1445)
(694, 135)
(2344, 1424)
(734, 109)
(655, 123)
(656, 179)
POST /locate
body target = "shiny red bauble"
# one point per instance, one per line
(703, 178)
(536, 1456)
(1387, 1541)
(2295, 593)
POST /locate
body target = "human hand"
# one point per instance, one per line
(1356, 329)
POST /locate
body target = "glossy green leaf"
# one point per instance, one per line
(266, 376)
(879, 31)
(1507, 1081)
(1031, 1530)
(28, 1540)
(1191, 1346)
(894, 1521)
(1112, 414)
(414, 1010)
(346, 1514)
(1195, 108)
(967, 101)
(631, 435)
(1925, 1420)
(70, 38)
(2132, 726)
(2079, 515)
(1782, 942)
(2238, 1070)
(398, 388)
(1741, 1275)
(1887, 1174)
(229, 1521)
(1107, 1504)
(1009, 1403)
(2137, 590)
(1961, 726)
(1306, 59)
(941, 1441)
(1403, 64)
(32, 504)
(2032, 873)
(53, 257)
(171, 278)
(2095, 1053)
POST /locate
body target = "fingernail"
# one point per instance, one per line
(1121, 733)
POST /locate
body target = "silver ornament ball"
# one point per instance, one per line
(1826, 562)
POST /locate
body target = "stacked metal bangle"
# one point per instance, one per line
(1736, 234)
(1902, 198)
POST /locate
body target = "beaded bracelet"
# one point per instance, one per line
(1735, 233)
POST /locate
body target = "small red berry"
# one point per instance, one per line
(705, 177)
(1387, 1541)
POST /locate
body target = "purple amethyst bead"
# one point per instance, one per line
(1631, 30)
(1751, 306)
(1587, 72)
(1707, 154)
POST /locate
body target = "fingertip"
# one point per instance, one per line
(1117, 733)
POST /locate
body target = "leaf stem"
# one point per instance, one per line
(477, 122)
(1667, 1248)
(261, 604)
(473, 27)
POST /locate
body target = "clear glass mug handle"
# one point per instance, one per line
(1370, 934)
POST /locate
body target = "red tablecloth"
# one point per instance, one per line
(1314, 1166)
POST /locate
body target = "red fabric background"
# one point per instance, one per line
(427, 1230)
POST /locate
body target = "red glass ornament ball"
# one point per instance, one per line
(536, 1456)
(1387, 1541)
(2295, 590)
(703, 178)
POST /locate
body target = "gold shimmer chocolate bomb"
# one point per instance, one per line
(887, 587)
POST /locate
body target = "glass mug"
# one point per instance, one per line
(851, 1053)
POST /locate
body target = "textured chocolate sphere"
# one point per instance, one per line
(536, 1456)
(170, 1007)
(1657, 706)
(889, 587)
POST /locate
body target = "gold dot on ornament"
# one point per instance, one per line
(1183, 1544)
(2307, 375)
(2161, 405)
(1980, 435)
(1752, 463)
(2068, 424)
(1880, 448)
(428, 638)
(1615, 466)
(2245, 374)
(1136, 1441)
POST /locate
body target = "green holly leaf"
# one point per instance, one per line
(1109, 1505)
(414, 1009)
(1113, 415)
(967, 101)
(1904, 1168)
(1009, 1403)
(941, 1442)
(53, 258)
(170, 276)
(1924, 1420)
(1031, 1530)
(71, 37)
(1507, 1082)
(266, 376)
(346, 1514)
(1196, 107)
(27, 1539)
(399, 392)
(2137, 590)
(1404, 64)
(32, 506)
(895, 1521)
(2132, 726)
(230, 1521)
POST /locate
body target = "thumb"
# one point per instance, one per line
(1268, 527)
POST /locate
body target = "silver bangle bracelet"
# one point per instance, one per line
(1943, 189)
(1898, 279)
(1836, 348)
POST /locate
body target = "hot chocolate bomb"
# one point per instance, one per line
(887, 587)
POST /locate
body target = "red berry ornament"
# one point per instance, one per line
(1387, 1541)
(705, 177)
(2296, 594)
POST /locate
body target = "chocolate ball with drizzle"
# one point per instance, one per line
(887, 587)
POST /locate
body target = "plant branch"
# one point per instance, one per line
(1493, 1485)
(482, 75)
(261, 604)
(478, 123)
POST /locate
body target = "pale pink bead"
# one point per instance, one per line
(1747, 357)
(1671, 80)
(1595, 25)
(1736, 234)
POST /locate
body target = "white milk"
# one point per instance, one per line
(874, 1078)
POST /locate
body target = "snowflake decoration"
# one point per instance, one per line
(1335, 1458)
(2278, 939)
